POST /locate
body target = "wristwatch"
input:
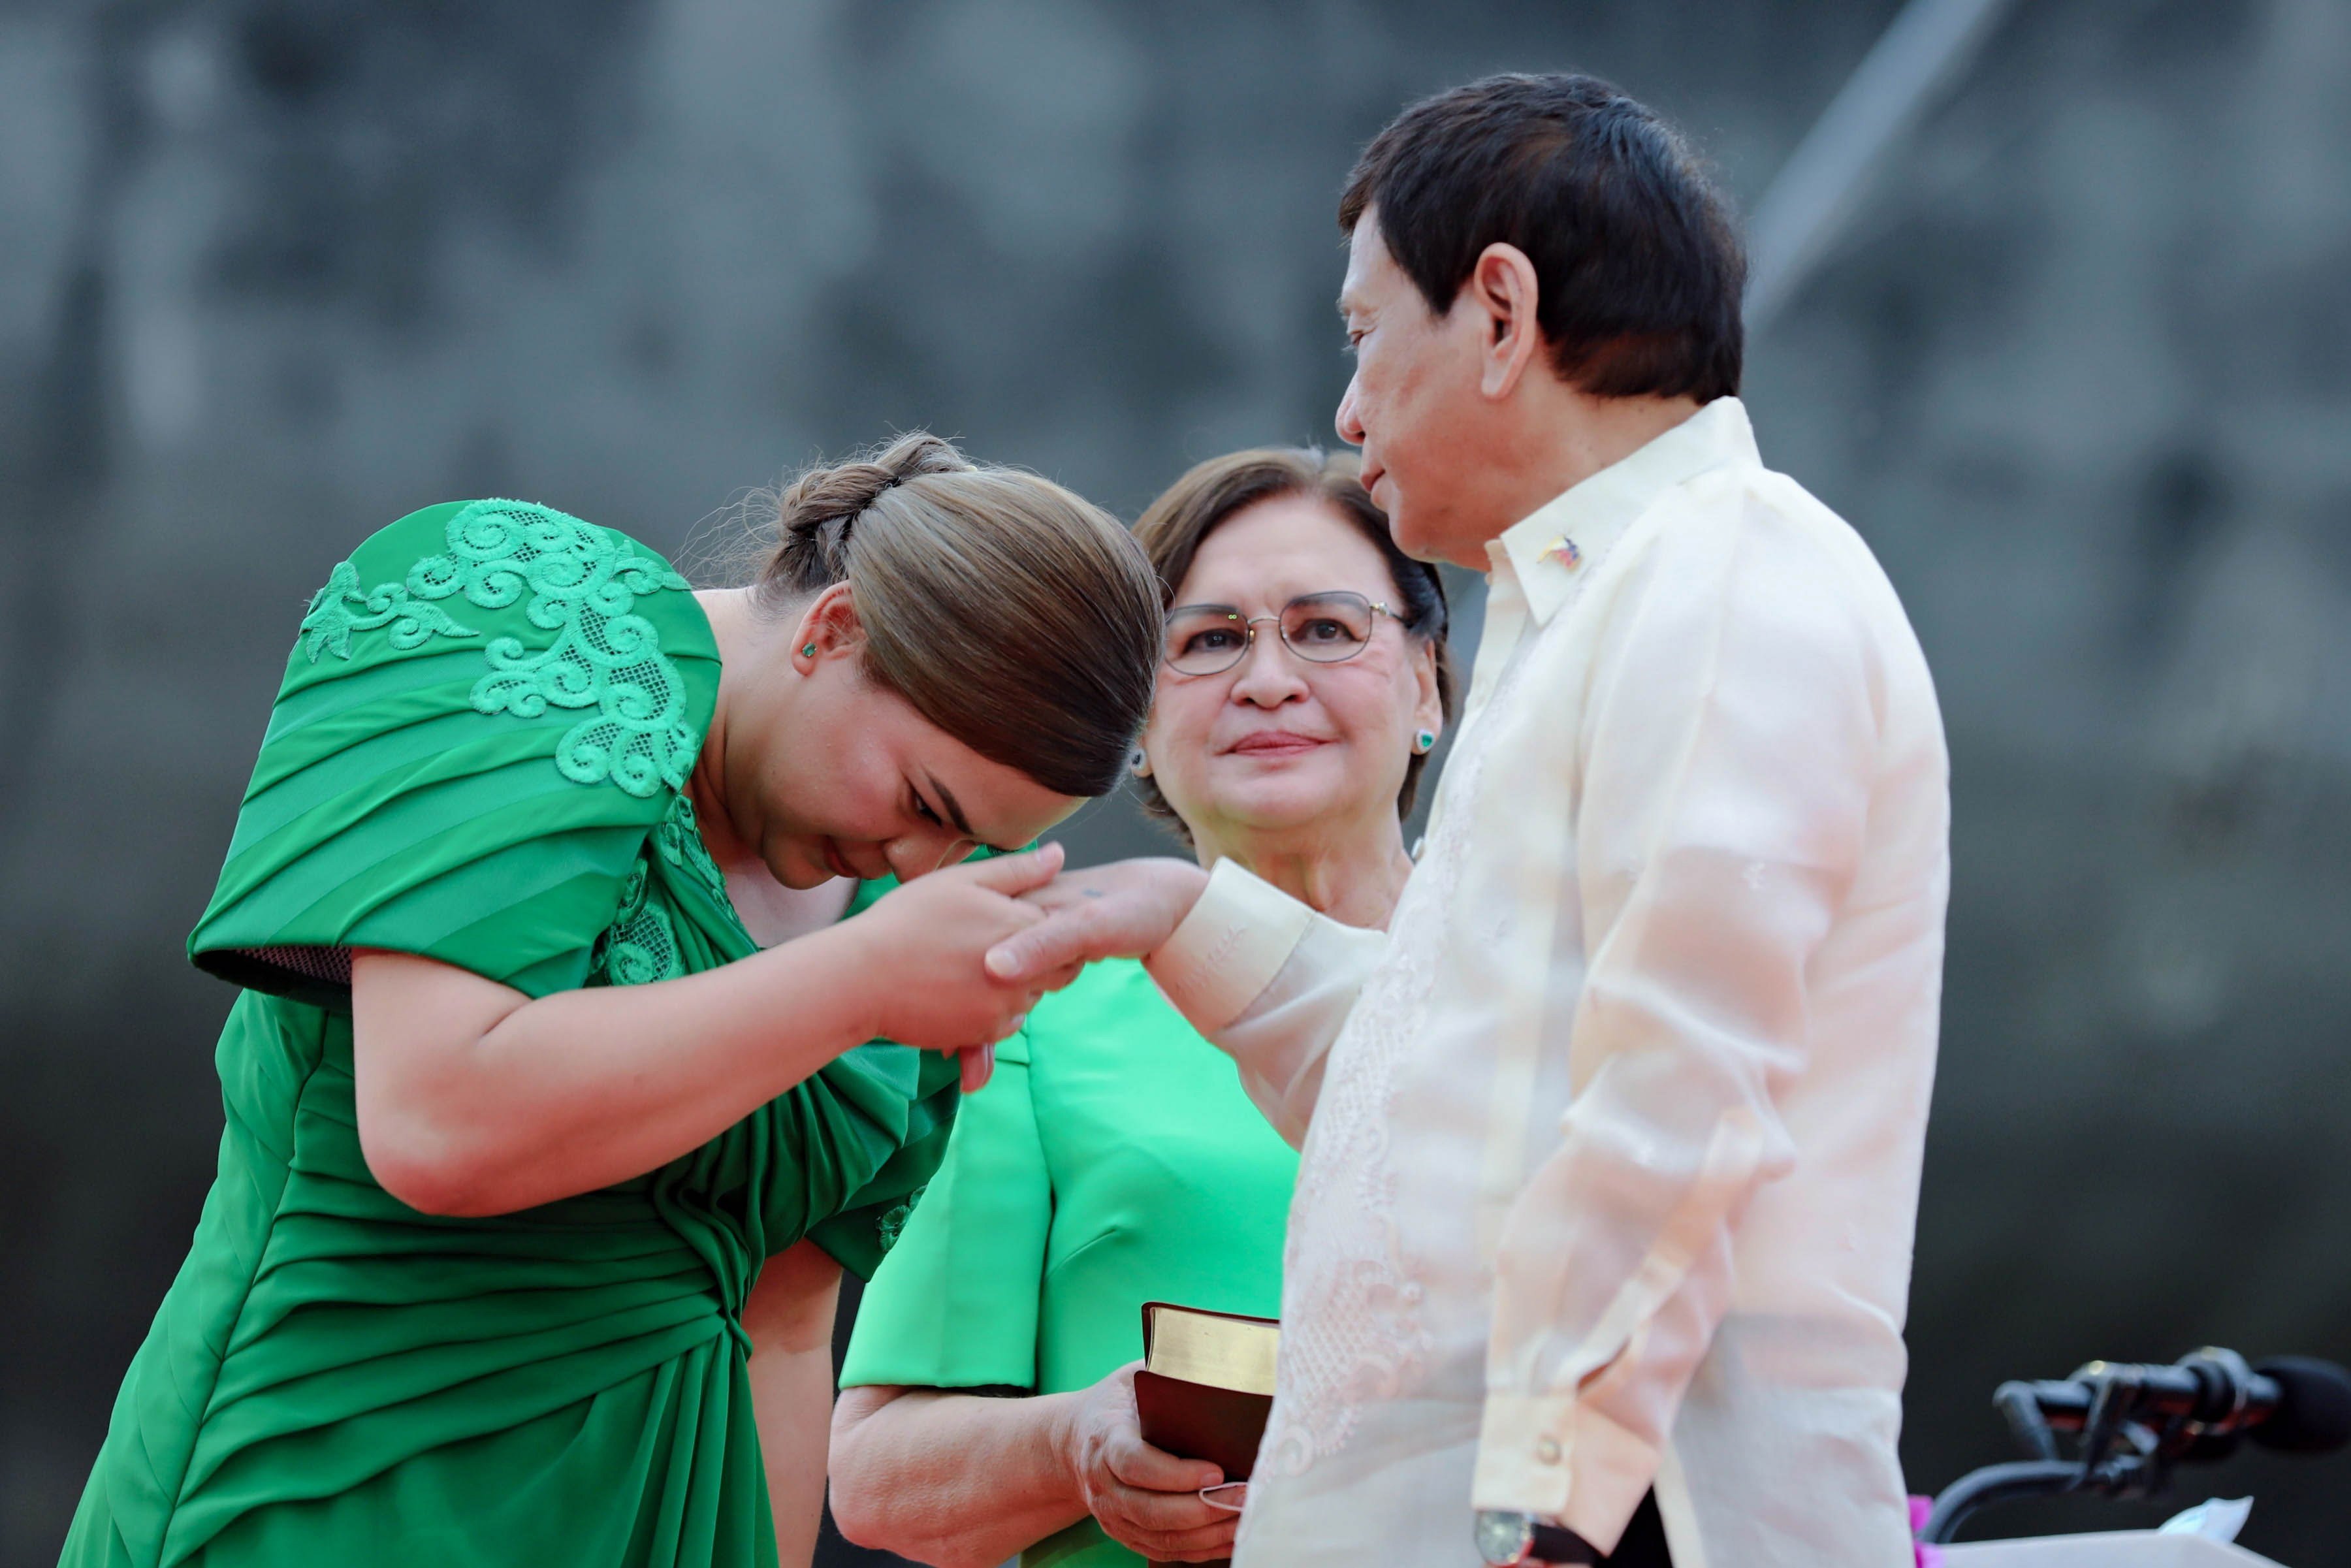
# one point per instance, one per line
(1506, 1538)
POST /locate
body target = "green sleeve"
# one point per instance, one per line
(487, 709)
(913, 1095)
(953, 1304)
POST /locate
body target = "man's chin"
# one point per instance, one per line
(1404, 528)
(1431, 541)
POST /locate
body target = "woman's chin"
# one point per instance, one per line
(1277, 803)
(802, 867)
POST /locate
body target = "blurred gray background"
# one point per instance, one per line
(273, 272)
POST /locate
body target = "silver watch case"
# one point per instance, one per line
(1504, 1538)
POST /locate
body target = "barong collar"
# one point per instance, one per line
(1570, 535)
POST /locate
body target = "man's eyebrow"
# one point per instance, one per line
(946, 798)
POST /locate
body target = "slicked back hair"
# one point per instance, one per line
(1013, 614)
(1638, 267)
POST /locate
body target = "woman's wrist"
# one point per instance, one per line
(1063, 1443)
(854, 953)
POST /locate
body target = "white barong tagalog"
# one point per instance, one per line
(1612, 1142)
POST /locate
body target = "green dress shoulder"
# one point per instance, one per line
(477, 755)
(1113, 1159)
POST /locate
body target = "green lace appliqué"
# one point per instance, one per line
(892, 1223)
(641, 945)
(582, 584)
(679, 837)
(333, 618)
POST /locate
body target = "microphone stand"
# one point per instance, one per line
(1997, 1483)
(2122, 1454)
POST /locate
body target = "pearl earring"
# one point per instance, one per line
(1424, 743)
(1139, 764)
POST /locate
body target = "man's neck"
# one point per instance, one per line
(1575, 436)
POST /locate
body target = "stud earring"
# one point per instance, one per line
(809, 652)
(1139, 764)
(1424, 743)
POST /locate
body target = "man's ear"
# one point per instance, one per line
(829, 629)
(1503, 291)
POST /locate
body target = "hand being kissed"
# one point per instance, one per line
(1125, 909)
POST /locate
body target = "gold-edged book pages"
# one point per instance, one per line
(1219, 1350)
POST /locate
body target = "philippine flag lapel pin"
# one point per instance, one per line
(1563, 550)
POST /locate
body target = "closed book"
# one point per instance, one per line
(1205, 1386)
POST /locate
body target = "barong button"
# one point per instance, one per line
(1547, 1450)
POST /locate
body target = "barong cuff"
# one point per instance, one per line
(1545, 1455)
(1228, 949)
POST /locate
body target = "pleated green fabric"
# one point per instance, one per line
(477, 755)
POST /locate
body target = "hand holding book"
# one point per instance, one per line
(1205, 1386)
(1143, 1498)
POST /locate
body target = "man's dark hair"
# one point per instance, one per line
(1637, 266)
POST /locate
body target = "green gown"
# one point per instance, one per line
(477, 755)
(1112, 1159)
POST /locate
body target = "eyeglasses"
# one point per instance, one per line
(1321, 628)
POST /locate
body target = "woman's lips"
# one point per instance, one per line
(1274, 743)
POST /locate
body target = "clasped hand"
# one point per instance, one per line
(1018, 926)
(926, 941)
(1122, 909)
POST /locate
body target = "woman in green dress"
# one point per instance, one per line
(518, 1108)
(1114, 1159)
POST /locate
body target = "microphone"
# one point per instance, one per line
(2134, 1423)
(2312, 1413)
(2295, 1404)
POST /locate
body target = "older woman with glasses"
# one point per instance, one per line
(1114, 1159)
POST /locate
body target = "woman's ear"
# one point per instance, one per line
(827, 629)
(1502, 288)
(1429, 707)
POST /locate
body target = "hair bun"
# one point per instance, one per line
(817, 512)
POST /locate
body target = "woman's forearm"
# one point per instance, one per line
(789, 1319)
(957, 1481)
(473, 1100)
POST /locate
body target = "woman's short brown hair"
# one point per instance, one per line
(1013, 614)
(1176, 525)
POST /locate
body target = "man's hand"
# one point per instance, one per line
(1124, 910)
(1145, 1499)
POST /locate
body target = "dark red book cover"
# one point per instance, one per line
(1199, 1420)
(1202, 1422)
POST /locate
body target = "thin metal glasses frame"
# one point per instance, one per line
(1248, 625)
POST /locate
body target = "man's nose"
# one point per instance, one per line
(1351, 430)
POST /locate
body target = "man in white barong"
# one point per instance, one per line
(1611, 1144)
